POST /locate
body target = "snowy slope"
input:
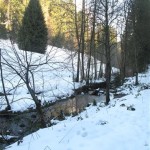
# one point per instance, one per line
(101, 128)
(53, 79)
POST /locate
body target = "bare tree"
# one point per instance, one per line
(83, 38)
(24, 66)
(92, 44)
(78, 43)
(108, 12)
(3, 83)
(134, 41)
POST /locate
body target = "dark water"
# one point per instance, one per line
(26, 123)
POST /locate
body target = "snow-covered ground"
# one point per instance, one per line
(53, 77)
(114, 127)
(53, 74)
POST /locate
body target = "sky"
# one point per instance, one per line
(79, 3)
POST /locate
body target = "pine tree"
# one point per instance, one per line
(138, 35)
(143, 32)
(33, 32)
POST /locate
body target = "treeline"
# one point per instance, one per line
(62, 19)
(135, 38)
(58, 16)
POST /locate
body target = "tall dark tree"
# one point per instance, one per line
(143, 32)
(137, 37)
(33, 32)
(108, 13)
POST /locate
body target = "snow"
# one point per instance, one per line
(53, 79)
(99, 127)
(53, 73)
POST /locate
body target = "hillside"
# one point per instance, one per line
(118, 125)
(53, 75)
(122, 125)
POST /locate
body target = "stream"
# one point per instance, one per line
(23, 123)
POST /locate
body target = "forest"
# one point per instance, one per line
(52, 50)
(93, 30)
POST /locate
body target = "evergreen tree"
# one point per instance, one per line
(138, 35)
(3, 18)
(143, 32)
(33, 32)
(17, 9)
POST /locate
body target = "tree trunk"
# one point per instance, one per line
(38, 106)
(3, 84)
(95, 58)
(92, 44)
(82, 38)
(135, 48)
(34, 97)
(78, 43)
(123, 54)
(107, 49)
